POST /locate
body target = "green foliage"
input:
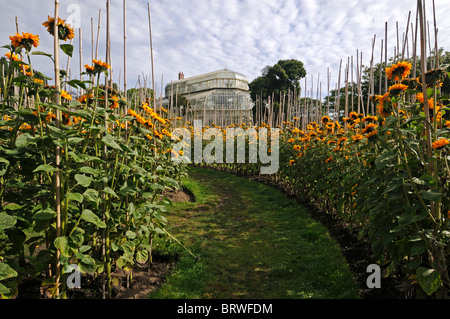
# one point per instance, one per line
(110, 170)
(281, 77)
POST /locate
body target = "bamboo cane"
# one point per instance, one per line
(406, 34)
(151, 53)
(423, 59)
(98, 32)
(80, 44)
(106, 240)
(346, 87)
(328, 94)
(125, 95)
(380, 85)
(338, 92)
(57, 100)
(436, 48)
(92, 39)
(385, 56)
(125, 77)
(369, 90)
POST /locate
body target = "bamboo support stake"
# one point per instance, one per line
(429, 45)
(436, 48)
(98, 33)
(151, 53)
(353, 87)
(92, 39)
(398, 43)
(357, 81)
(406, 34)
(57, 100)
(360, 82)
(385, 56)
(80, 44)
(369, 89)
(380, 84)
(125, 55)
(338, 92)
(328, 94)
(317, 98)
(423, 59)
(106, 243)
(346, 88)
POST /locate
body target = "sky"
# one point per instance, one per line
(201, 36)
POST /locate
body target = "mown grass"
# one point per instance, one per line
(252, 242)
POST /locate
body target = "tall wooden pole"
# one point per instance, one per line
(385, 56)
(98, 33)
(57, 100)
(125, 52)
(81, 55)
(151, 53)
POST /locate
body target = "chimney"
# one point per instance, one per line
(180, 76)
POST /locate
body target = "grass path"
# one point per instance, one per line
(253, 242)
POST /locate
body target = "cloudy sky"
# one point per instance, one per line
(200, 36)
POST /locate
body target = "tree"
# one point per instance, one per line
(278, 78)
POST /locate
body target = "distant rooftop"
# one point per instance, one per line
(220, 79)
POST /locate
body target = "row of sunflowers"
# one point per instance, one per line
(385, 175)
(82, 179)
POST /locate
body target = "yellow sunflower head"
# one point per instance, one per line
(399, 71)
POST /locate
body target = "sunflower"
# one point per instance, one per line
(291, 162)
(26, 40)
(430, 101)
(85, 98)
(38, 81)
(412, 84)
(115, 102)
(159, 135)
(66, 95)
(89, 69)
(440, 143)
(396, 89)
(370, 119)
(98, 67)
(371, 134)
(330, 126)
(357, 137)
(399, 71)
(434, 77)
(65, 32)
(13, 56)
(382, 111)
(353, 116)
(297, 147)
(101, 64)
(326, 119)
(369, 128)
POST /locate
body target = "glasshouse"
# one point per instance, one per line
(221, 97)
